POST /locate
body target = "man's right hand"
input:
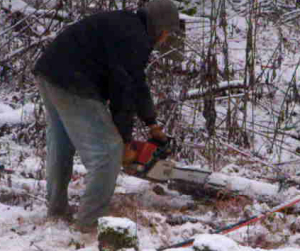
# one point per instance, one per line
(129, 155)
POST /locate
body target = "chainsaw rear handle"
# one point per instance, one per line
(156, 142)
(156, 132)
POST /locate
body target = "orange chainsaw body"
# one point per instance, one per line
(151, 164)
(144, 150)
(148, 154)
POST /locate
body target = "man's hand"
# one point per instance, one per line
(157, 133)
(129, 155)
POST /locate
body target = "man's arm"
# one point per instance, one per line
(122, 101)
(130, 98)
(144, 103)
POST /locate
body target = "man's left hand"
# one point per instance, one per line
(157, 133)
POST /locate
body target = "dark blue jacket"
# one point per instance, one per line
(103, 57)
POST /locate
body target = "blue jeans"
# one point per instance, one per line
(84, 125)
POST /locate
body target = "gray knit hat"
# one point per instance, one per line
(162, 15)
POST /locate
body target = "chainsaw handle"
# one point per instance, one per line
(160, 143)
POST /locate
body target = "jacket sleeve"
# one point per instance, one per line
(128, 93)
(129, 96)
(143, 101)
(124, 123)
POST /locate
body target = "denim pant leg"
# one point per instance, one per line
(99, 144)
(59, 160)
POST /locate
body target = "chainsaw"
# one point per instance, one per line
(152, 163)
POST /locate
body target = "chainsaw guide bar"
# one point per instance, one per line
(165, 170)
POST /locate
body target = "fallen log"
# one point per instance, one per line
(198, 182)
(217, 184)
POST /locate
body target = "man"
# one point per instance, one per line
(99, 59)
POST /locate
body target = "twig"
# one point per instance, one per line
(23, 50)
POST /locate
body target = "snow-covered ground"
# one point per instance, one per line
(24, 225)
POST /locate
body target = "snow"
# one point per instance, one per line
(119, 225)
(9, 116)
(221, 84)
(5, 108)
(131, 185)
(19, 5)
(215, 242)
(188, 18)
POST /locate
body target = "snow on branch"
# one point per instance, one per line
(223, 86)
(8, 116)
(21, 6)
(24, 49)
